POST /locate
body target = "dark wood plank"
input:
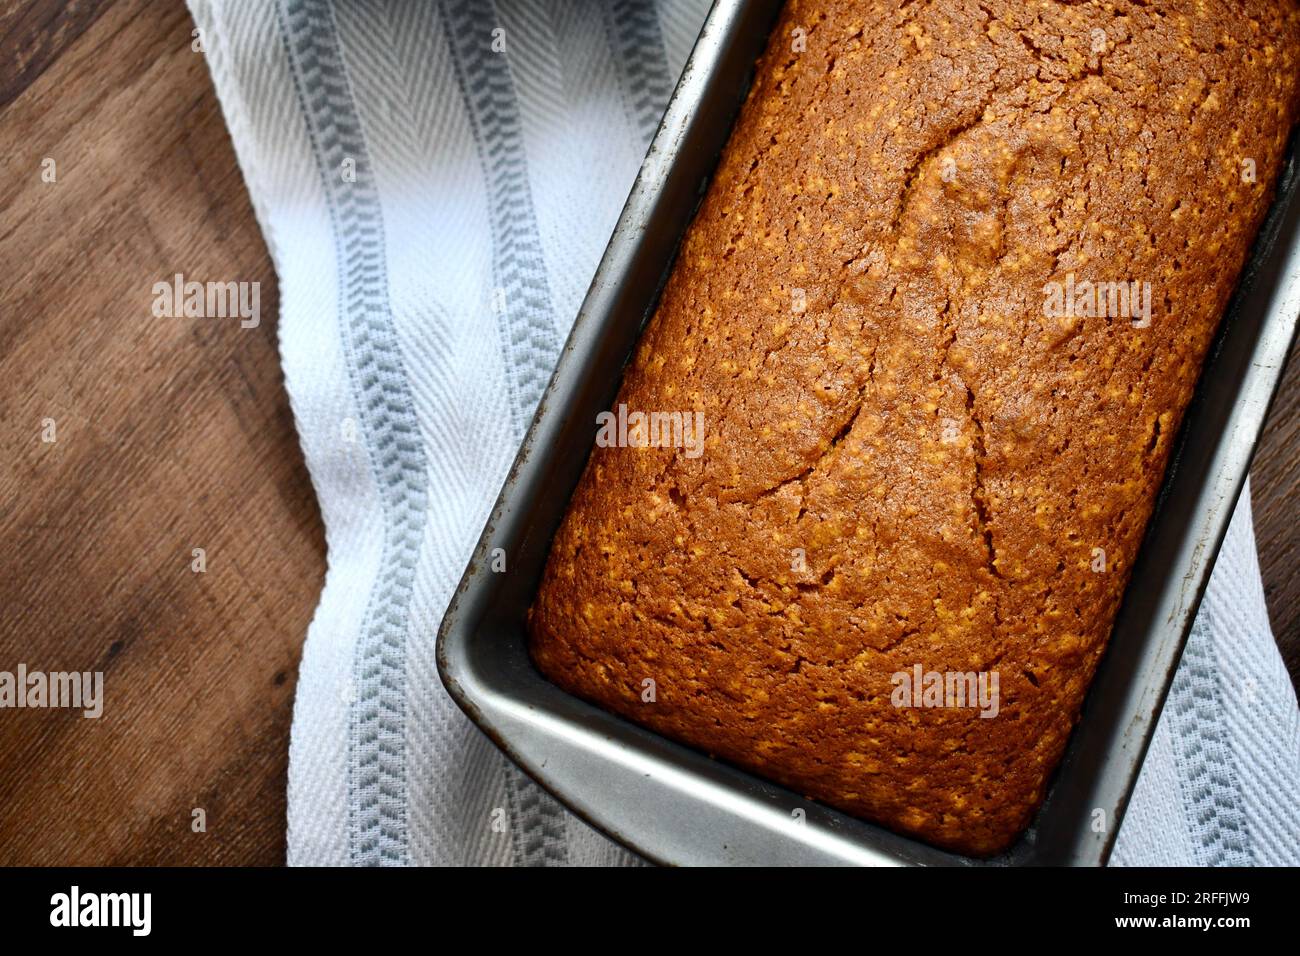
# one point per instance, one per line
(172, 434)
(32, 35)
(1275, 486)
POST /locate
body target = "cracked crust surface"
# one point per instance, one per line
(918, 465)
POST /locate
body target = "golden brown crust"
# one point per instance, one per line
(945, 453)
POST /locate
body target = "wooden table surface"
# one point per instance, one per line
(176, 434)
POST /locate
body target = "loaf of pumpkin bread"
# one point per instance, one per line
(937, 321)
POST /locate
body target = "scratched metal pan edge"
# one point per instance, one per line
(675, 805)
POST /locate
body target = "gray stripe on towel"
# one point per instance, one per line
(524, 308)
(638, 45)
(522, 297)
(1220, 830)
(377, 750)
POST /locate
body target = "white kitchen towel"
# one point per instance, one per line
(436, 182)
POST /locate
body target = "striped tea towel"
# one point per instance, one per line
(436, 182)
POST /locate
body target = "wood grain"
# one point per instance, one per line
(1275, 487)
(33, 34)
(174, 434)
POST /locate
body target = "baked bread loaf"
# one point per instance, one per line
(941, 310)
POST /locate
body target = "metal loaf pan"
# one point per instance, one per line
(674, 805)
